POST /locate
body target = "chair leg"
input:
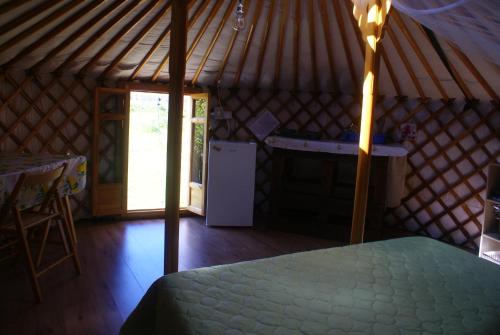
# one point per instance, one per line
(44, 242)
(62, 234)
(72, 238)
(74, 251)
(31, 266)
(69, 218)
(76, 260)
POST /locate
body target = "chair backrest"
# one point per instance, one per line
(26, 180)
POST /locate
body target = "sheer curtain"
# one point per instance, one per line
(472, 25)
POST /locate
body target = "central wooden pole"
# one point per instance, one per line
(365, 138)
(177, 69)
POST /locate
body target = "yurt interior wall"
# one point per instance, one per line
(303, 62)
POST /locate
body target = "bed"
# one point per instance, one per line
(411, 285)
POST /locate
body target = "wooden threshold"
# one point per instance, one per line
(154, 214)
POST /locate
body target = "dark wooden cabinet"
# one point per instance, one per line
(313, 193)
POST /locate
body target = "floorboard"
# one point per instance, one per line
(120, 260)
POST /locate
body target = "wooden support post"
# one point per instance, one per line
(371, 29)
(177, 69)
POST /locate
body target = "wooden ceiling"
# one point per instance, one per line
(311, 46)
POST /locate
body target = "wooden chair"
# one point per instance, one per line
(48, 214)
(8, 241)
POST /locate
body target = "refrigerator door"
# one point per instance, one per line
(231, 183)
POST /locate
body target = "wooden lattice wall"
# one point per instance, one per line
(47, 114)
(446, 175)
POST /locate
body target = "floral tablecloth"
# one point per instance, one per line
(13, 165)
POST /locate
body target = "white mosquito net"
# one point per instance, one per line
(472, 25)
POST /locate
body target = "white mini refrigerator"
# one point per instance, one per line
(231, 183)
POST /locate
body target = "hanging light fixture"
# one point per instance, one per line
(239, 19)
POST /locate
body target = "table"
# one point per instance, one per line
(313, 185)
(334, 147)
(395, 153)
(12, 165)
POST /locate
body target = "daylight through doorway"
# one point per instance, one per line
(148, 148)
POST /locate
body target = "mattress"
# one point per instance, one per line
(412, 285)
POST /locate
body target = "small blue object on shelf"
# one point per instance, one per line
(350, 136)
(495, 196)
(378, 139)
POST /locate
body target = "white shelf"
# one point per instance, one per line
(490, 237)
(496, 202)
(493, 256)
(493, 236)
(334, 147)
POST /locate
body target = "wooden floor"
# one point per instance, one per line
(120, 260)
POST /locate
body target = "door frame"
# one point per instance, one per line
(156, 88)
(204, 182)
(111, 187)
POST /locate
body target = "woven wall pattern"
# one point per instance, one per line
(446, 177)
(47, 114)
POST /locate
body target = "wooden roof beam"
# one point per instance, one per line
(248, 41)
(8, 6)
(76, 34)
(117, 18)
(390, 69)
(345, 42)
(162, 37)
(40, 25)
(214, 40)
(447, 64)
(420, 55)
(136, 39)
(323, 9)
(281, 39)
(265, 40)
(26, 16)
(296, 38)
(357, 32)
(58, 29)
(228, 50)
(206, 24)
(405, 60)
(196, 40)
(124, 31)
(473, 70)
(312, 41)
(150, 53)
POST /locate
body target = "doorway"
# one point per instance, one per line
(147, 151)
(130, 146)
(148, 125)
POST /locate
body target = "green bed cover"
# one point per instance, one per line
(412, 285)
